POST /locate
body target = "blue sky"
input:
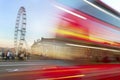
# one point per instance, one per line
(40, 19)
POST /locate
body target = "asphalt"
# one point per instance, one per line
(17, 66)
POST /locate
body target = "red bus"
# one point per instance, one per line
(90, 25)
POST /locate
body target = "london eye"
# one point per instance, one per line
(20, 30)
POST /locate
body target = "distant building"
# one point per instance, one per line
(57, 49)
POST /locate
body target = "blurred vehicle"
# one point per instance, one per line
(84, 72)
(91, 25)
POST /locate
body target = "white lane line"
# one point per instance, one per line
(12, 70)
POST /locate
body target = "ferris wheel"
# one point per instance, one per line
(20, 30)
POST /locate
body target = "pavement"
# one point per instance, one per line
(28, 65)
(22, 70)
(51, 71)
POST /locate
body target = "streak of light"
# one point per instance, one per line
(65, 77)
(101, 9)
(70, 12)
(93, 47)
(65, 32)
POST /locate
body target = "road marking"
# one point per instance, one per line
(12, 70)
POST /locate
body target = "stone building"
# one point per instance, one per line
(57, 49)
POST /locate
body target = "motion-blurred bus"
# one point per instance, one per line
(92, 27)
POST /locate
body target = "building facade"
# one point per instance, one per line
(57, 49)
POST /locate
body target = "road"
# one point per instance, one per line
(57, 70)
(22, 70)
(30, 65)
